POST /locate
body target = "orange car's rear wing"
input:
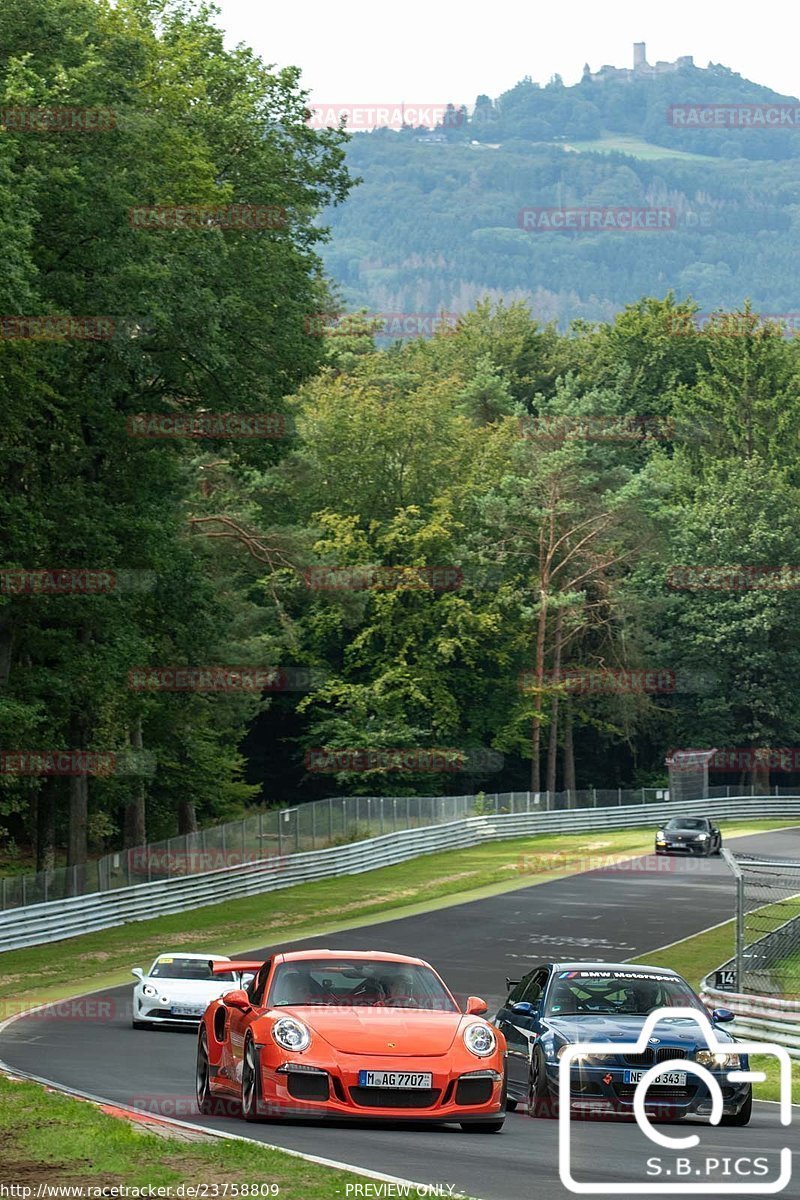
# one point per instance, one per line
(221, 968)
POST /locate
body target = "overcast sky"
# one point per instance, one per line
(430, 53)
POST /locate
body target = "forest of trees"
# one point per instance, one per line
(443, 529)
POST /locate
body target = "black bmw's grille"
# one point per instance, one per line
(375, 1097)
(645, 1059)
(648, 1057)
(665, 1053)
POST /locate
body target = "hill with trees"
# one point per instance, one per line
(434, 224)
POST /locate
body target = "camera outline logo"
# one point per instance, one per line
(575, 1049)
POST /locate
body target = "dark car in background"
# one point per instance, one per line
(689, 835)
(559, 1004)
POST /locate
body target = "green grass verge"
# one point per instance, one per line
(620, 143)
(103, 959)
(787, 970)
(694, 958)
(55, 1139)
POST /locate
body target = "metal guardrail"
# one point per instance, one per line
(75, 915)
(310, 826)
(759, 1018)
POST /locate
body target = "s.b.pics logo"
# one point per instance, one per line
(677, 1067)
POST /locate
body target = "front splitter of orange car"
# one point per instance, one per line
(459, 1091)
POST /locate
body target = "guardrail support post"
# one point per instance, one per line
(739, 952)
(740, 932)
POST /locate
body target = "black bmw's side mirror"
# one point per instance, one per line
(523, 1009)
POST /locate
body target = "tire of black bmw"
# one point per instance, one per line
(541, 1101)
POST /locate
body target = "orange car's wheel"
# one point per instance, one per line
(251, 1081)
(205, 1101)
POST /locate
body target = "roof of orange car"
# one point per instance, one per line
(373, 955)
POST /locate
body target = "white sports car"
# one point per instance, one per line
(178, 989)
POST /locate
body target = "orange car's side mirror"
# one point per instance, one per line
(476, 1007)
(237, 999)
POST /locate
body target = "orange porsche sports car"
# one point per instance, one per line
(329, 1033)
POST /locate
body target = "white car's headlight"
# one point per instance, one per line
(148, 990)
(291, 1034)
(480, 1040)
(713, 1058)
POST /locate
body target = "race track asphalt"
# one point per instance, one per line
(615, 913)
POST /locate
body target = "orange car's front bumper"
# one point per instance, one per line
(470, 1090)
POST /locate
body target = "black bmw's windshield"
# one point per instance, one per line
(696, 824)
(617, 993)
(367, 983)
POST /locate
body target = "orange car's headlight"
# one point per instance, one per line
(291, 1034)
(480, 1040)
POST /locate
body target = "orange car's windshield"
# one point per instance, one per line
(362, 982)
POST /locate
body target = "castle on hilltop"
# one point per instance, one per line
(641, 69)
